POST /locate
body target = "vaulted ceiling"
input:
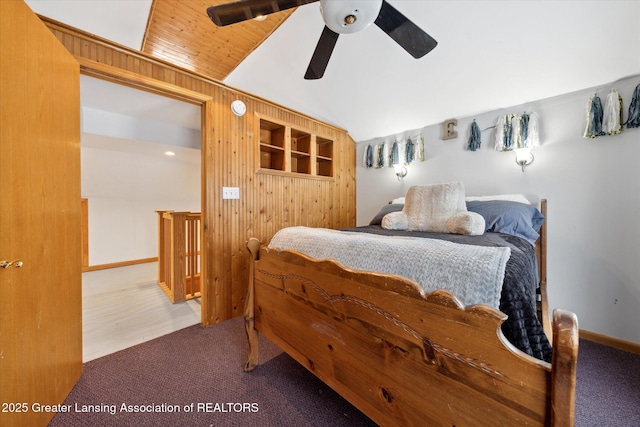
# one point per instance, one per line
(177, 31)
(491, 54)
(180, 32)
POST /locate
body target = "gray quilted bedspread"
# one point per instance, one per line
(474, 274)
(518, 297)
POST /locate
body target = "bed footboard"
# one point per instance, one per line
(401, 357)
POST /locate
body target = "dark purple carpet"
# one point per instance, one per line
(608, 387)
(194, 377)
(203, 367)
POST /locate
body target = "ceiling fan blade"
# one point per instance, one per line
(321, 55)
(407, 34)
(242, 10)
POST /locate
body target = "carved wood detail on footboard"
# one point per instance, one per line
(401, 357)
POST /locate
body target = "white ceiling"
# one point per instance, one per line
(491, 55)
(121, 21)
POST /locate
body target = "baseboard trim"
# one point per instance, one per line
(118, 264)
(610, 341)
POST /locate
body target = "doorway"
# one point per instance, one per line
(127, 174)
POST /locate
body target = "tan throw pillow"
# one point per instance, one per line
(429, 207)
(470, 223)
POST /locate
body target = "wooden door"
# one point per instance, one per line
(40, 301)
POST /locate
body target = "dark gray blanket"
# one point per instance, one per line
(518, 299)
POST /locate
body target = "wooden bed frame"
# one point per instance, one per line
(541, 256)
(403, 358)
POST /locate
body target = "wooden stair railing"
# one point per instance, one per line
(179, 254)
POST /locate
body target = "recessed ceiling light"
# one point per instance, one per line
(169, 153)
(260, 18)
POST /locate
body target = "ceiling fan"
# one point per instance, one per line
(340, 17)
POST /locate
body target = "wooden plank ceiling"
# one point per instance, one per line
(180, 32)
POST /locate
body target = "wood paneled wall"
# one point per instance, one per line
(267, 202)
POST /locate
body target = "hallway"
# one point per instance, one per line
(122, 307)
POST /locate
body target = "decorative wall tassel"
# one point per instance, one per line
(513, 131)
(376, 151)
(529, 131)
(612, 114)
(368, 156)
(633, 121)
(394, 159)
(420, 148)
(594, 118)
(524, 129)
(379, 155)
(500, 126)
(385, 155)
(505, 132)
(409, 152)
(474, 137)
(515, 139)
(588, 122)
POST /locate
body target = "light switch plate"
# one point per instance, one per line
(230, 193)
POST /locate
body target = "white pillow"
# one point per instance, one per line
(395, 221)
(428, 208)
(398, 201)
(470, 223)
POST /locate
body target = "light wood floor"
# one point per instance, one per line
(122, 307)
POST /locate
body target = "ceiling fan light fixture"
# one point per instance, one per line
(345, 17)
(350, 19)
(340, 17)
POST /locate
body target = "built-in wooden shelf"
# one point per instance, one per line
(294, 151)
(324, 156)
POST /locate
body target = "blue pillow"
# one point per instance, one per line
(503, 216)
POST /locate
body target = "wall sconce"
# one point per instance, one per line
(524, 157)
(400, 170)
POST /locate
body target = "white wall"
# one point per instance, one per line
(593, 192)
(125, 182)
(117, 125)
